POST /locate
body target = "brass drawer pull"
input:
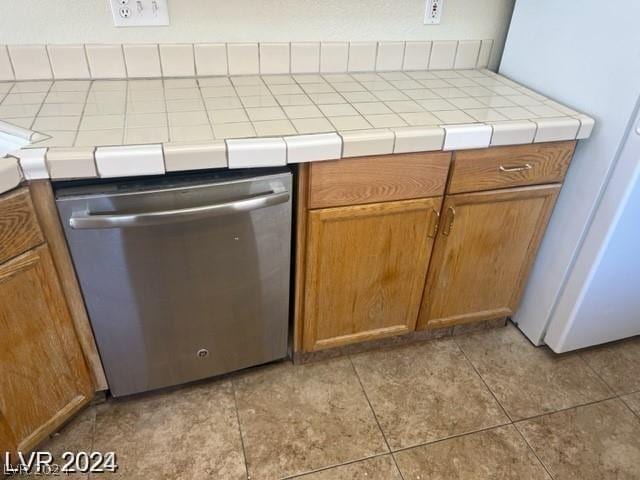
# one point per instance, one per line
(452, 217)
(520, 168)
(436, 221)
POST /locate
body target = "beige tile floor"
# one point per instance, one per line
(484, 405)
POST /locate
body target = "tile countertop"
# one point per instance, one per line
(97, 127)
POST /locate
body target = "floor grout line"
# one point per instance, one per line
(337, 465)
(600, 377)
(504, 410)
(545, 414)
(533, 451)
(375, 416)
(244, 453)
(637, 414)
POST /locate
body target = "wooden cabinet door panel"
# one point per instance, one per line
(43, 376)
(19, 230)
(483, 253)
(365, 270)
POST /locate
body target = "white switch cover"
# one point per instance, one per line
(139, 13)
(433, 12)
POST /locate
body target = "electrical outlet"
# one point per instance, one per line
(139, 13)
(433, 12)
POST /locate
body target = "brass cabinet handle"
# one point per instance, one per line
(519, 168)
(434, 228)
(452, 216)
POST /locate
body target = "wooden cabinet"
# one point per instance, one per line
(364, 236)
(484, 250)
(43, 375)
(365, 270)
(364, 239)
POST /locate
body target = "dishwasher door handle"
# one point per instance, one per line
(163, 217)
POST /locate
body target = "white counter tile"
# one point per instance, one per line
(556, 129)
(30, 62)
(310, 148)
(586, 126)
(177, 60)
(106, 61)
(256, 152)
(443, 54)
(274, 58)
(366, 107)
(367, 142)
(6, 70)
(68, 61)
(362, 56)
(334, 57)
(127, 161)
(33, 164)
(462, 137)
(418, 139)
(68, 163)
(179, 157)
(416, 55)
(211, 58)
(513, 132)
(142, 61)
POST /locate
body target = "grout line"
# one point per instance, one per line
(637, 414)
(451, 437)
(545, 414)
(404, 46)
(206, 112)
(86, 59)
(235, 403)
(46, 50)
(579, 355)
(482, 378)
(124, 62)
(43, 102)
(532, 450)
(160, 64)
(84, 107)
(337, 465)
(375, 416)
(13, 70)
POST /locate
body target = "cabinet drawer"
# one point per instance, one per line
(19, 229)
(377, 179)
(503, 167)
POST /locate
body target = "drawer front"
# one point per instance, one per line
(377, 179)
(504, 167)
(19, 229)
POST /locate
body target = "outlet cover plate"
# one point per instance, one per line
(139, 13)
(433, 12)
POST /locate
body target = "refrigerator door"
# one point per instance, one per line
(600, 300)
(597, 74)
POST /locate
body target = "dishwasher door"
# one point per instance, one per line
(182, 278)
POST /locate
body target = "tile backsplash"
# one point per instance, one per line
(40, 62)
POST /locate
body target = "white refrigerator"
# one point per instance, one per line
(585, 285)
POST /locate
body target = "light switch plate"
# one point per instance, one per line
(433, 12)
(139, 13)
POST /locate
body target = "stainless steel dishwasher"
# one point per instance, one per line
(183, 277)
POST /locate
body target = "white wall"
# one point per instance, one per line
(89, 21)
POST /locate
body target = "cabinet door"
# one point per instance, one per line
(365, 270)
(43, 376)
(482, 256)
